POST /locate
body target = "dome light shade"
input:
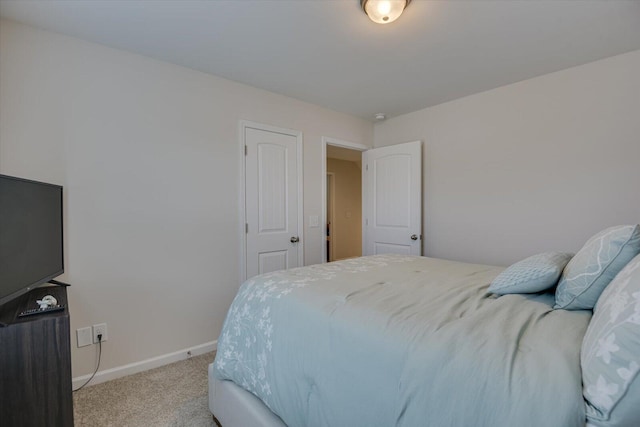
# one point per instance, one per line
(384, 11)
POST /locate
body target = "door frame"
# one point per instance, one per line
(242, 202)
(332, 193)
(337, 143)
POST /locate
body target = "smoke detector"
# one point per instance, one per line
(380, 116)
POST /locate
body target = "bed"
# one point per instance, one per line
(397, 340)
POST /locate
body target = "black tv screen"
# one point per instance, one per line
(30, 235)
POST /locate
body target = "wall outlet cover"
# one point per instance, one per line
(99, 329)
(83, 335)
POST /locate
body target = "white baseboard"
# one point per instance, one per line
(145, 365)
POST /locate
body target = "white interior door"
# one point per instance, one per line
(272, 201)
(392, 178)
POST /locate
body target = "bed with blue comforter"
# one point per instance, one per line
(392, 340)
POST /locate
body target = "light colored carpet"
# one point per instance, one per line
(173, 395)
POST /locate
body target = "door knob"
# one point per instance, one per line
(295, 239)
(414, 237)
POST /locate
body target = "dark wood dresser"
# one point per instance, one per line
(35, 363)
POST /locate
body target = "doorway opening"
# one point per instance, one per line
(342, 200)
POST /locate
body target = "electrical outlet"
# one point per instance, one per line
(99, 329)
(84, 336)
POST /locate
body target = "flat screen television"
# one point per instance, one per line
(30, 235)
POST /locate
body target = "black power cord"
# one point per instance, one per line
(97, 367)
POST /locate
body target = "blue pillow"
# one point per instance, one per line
(595, 265)
(609, 356)
(534, 274)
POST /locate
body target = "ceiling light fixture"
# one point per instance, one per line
(384, 11)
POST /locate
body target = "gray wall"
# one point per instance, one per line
(149, 155)
(537, 165)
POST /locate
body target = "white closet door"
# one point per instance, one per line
(271, 192)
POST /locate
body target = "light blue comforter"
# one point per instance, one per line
(393, 340)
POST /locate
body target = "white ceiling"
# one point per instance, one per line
(329, 53)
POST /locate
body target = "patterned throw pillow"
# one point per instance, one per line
(595, 265)
(534, 274)
(610, 355)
